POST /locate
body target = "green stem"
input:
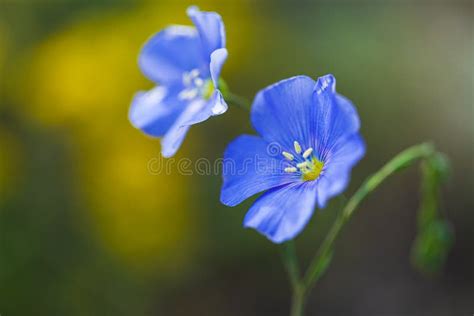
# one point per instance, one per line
(237, 100)
(290, 261)
(298, 301)
(401, 161)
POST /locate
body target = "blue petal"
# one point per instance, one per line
(281, 213)
(334, 116)
(155, 111)
(282, 112)
(216, 105)
(171, 52)
(337, 168)
(218, 58)
(173, 139)
(210, 28)
(251, 165)
(195, 112)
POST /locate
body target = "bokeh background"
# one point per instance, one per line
(87, 229)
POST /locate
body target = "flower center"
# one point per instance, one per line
(303, 162)
(195, 86)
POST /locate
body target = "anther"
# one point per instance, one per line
(297, 147)
(290, 169)
(198, 82)
(307, 153)
(288, 155)
(188, 94)
(194, 73)
(302, 165)
(187, 78)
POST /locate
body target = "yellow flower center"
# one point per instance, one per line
(309, 166)
(207, 89)
(194, 86)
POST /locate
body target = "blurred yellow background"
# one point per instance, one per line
(87, 229)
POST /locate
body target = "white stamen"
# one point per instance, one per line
(307, 153)
(290, 169)
(188, 94)
(288, 155)
(187, 78)
(297, 147)
(194, 73)
(191, 77)
(198, 82)
(302, 165)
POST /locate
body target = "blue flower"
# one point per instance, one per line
(185, 62)
(309, 141)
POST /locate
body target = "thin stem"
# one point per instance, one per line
(237, 100)
(402, 160)
(298, 301)
(290, 261)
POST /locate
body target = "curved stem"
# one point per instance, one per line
(400, 161)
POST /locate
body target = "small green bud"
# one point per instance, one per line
(432, 246)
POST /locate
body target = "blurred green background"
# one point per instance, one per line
(86, 229)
